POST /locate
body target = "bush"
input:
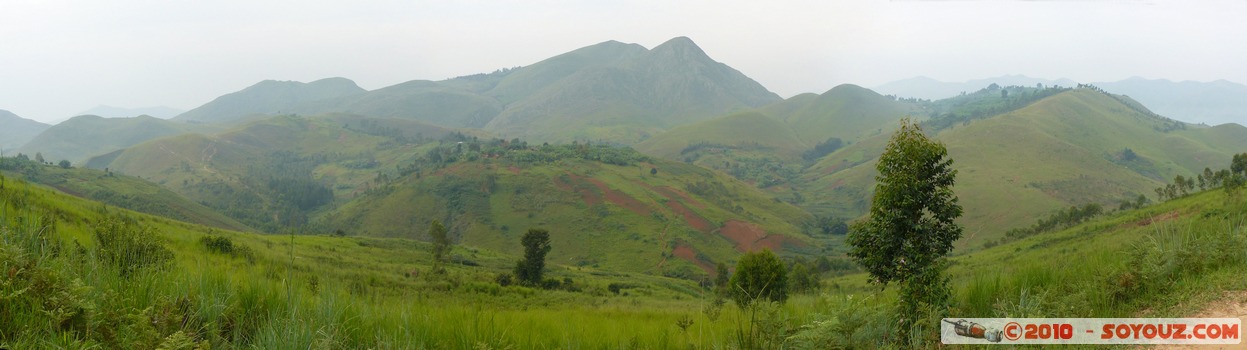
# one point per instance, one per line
(504, 279)
(128, 246)
(759, 275)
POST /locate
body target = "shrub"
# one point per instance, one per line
(128, 246)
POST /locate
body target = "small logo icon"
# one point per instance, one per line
(974, 330)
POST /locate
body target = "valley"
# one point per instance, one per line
(663, 183)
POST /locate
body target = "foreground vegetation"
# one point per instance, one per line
(81, 274)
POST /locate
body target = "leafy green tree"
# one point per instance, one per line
(65, 164)
(536, 245)
(721, 279)
(39, 157)
(1238, 165)
(759, 275)
(801, 279)
(911, 225)
(441, 245)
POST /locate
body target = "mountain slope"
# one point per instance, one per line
(161, 112)
(17, 131)
(1064, 150)
(84, 136)
(119, 191)
(1213, 103)
(269, 97)
(678, 220)
(674, 83)
(610, 91)
(931, 89)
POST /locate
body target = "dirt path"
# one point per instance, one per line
(1232, 304)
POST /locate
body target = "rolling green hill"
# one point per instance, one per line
(389, 177)
(1067, 149)
(677, 219)
(119, 191)
(17, 130)
(86, 136)
(611, 92)
(268, 97)
(272, 173)
(631, 98)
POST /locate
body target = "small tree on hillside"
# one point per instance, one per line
(910, 227)
(536, 245)
(759, 275)
(721, 279)
(441, 245)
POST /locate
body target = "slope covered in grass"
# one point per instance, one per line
(1067, 149)
(82, 137)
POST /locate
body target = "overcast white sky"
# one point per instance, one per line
(60, 57)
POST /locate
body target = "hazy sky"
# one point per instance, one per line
(58, 58)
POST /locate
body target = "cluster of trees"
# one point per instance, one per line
(1064, 218)
(1228, 179)
(822, 149)
(989, 101)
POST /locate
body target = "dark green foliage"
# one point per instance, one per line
(441, 245)
(802, 279)
(982, 104)
(822, 149)
(830, 225)
(226, 246)
(64, 164)
(536, 244)
(1238, 165)
(759, 276)
(128, 246)
(721, 278)
(504, 279)
(1061, 219)
(1128, 155)
(911, 225)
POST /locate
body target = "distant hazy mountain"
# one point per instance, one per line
(1213, 103)
(15, 131)
(84, 136)
(161, 112)
(267, 97)
(610, 91)
(931, 89)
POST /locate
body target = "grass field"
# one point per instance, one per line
(317, 291)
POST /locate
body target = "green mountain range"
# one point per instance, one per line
(268, 97)
(1074, 148)
(17, 130)
(85, 136)
(611, 92)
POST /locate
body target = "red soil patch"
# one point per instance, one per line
(514, 169)
(575, 183)
(696, 221)
(620, 198)
(672, 193)
(749, 237)
(683, 251)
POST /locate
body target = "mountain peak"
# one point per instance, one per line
(680, 45)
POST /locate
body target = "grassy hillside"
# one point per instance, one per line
(273, 173)
(1067, 149)
(86, 136)
(120, 191)
(611, 92)
(268, 97)
(848, 112)
(186, 286)
(629, 98)
(622, 211)
(17, 130)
